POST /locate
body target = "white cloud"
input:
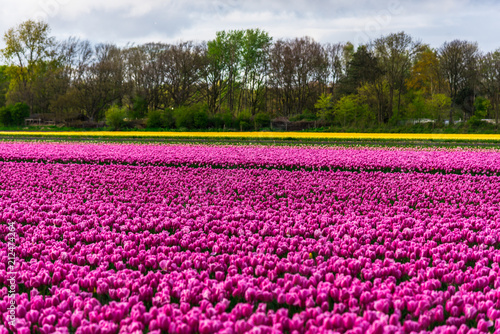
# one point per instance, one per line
(123, 21)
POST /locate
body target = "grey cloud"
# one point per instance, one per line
(326, 20)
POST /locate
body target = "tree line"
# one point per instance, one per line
(244, 78)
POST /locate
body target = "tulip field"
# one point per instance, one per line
(129, 238)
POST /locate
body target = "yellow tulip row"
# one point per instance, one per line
(260, 135)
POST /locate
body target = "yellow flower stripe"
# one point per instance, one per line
(260, 135)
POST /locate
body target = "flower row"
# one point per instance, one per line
(181, 250)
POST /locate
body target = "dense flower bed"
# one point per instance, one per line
(177, 249)
(336, 158)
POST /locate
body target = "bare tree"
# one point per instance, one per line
(101, 82)
(338, 55)
(146, 70)
(182, 63)
(298, 72)
(458, 61)
(490, 79)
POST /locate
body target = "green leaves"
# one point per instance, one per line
(236, 62)
(14, 114)
(115, 117)
(325, 106)
(27, 44)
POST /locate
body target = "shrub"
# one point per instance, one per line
(481, 105)
(168, 119)
(245, 126)
(296, 118)
(19, 112)
(262, 120)
(217, 121)
(5, 116)
(228, 120)
(115, 117)
(201, 119)
(190, 117)
(14, 114)
(155, 119)
(140, 107)
(184, 117)
(245, 120)
(325, 107)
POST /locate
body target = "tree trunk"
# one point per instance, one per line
(451, 112)
(391, 100)
(497, 107)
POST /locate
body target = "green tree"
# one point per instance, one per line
(396, 53)
(482, 106)
(425, 74)
(27, 46)
(222, 72)
(155, 119)
(5, 116)
(376, 96)
(160, 119)
(253, 65)
(19, 112)
(439, 104)
(325, 107)
(363, 68)
(350, 109)
(201, 119)
(417, 105)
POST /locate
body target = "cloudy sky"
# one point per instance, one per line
(358, 21)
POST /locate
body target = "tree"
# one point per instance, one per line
(254, 68)
(101, 83)
(438, 105)
(482, 106)
(364, 76)
(458, 61)
(213, 74)
(221, 77)
(362, 68)
(14, 114)
(490, 80)
(297, 74)
(324, 105)
(182, 64)
(4, 85)
(375, 95)
(72, 57)
(27, 46)
(338, 55)
(426, 74)
(396, 53)
(350, 109)
(145, 71)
